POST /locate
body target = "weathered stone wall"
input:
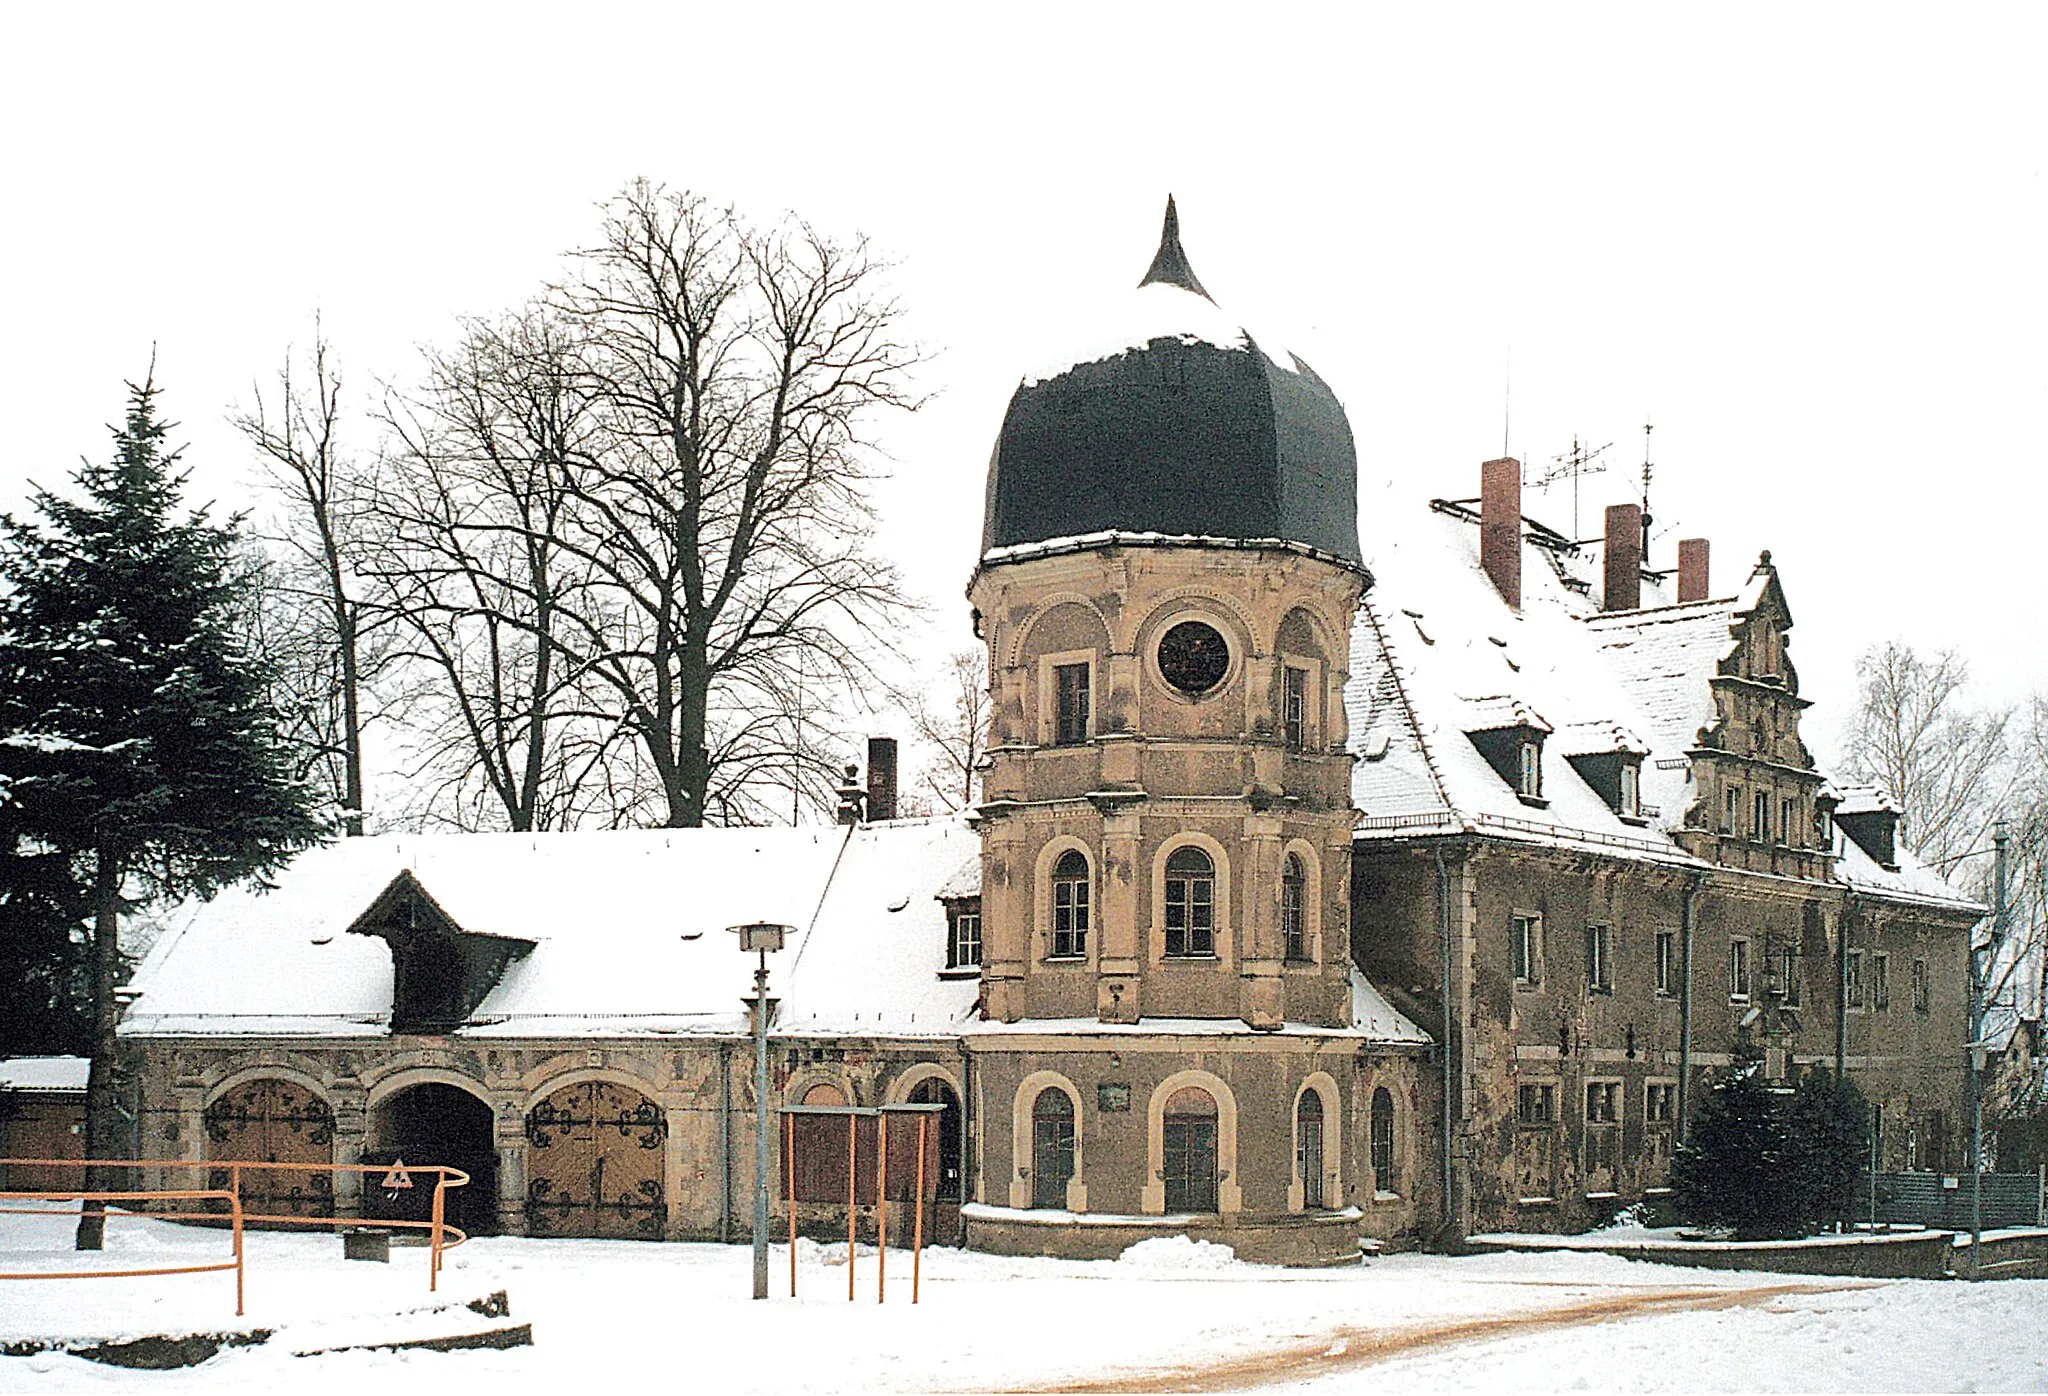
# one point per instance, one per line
(1560, 1031)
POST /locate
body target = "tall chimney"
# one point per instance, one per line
(881, 779)
(1622, 588)
(1500, 526)
(1692, 569)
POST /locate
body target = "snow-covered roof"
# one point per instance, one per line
(628, 926)
(44, 1075)
(1437, 654)
(628, 929)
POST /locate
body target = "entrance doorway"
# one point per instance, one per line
(435, 1123)
(952, 1157)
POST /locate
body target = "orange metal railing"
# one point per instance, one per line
(441, 1234)
(146, 1195)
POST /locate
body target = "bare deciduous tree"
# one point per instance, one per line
(955, 725)
(1945, 763)
(312, 628)
(724, 518)
(465, 556)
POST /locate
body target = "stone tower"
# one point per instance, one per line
(1170, 567)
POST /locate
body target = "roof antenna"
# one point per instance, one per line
(1647, 429)
(1507, 397)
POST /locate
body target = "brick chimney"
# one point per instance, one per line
(1692, 569)
(1622, 588)
(1500, 526)
(881, 779)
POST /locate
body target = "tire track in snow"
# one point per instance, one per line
(1346, 1349)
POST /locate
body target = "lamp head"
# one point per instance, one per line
(761, 935)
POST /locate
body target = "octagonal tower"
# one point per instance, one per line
(1169, 573)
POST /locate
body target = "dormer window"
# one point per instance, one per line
(440, 971)
(1515, 751)
(1631, 805)
(963, 933)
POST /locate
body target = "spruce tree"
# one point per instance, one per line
(134, 739)
(1731, 1170)
(1827, 1124)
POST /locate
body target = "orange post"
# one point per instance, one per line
(434, 1243)
(235, 1211)
(852, 1202)
(917, 1226)
(881, 1208)
(789, 1187)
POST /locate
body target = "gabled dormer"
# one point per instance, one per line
(1609, 759)
(440, 972)
(1509, 734)
(1870, 818)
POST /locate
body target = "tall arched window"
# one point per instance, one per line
(1190, 903)
(1308, 1147)
(1382, 1141)
(1052, 1147)
(1189, 1151)
(1070, 906)
(1294, 908)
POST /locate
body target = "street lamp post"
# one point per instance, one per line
(760, 937)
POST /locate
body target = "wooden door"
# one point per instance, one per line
(594, 1163)
(269, 1120)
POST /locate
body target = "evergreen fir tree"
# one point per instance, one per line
(1731, 1170)
(1827, 1124)
(135, 745)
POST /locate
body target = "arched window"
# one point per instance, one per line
(824, 1093)
(1052, 1147)
(1190, 903)
(1294, 908)
(1308, 1147)
(1382, 1141)
(1070, 906)
(1189, 1151)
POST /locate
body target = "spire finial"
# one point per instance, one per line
(1170, 263)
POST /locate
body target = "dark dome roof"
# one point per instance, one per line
(1186, 427)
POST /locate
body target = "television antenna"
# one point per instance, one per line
(1575, 465)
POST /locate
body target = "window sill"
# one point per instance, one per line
(961, 972)
(1535, 1202)
(1205, 957)
(1386, 1197)
(1065, 960)
(1604, 991)
(1528, 985)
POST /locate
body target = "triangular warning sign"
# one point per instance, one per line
(397, 1178)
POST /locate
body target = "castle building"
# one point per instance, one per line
(1388, 872)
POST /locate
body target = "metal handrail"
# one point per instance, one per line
(81, 1197)
(442, 1236)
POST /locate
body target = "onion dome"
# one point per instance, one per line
(1176, 426)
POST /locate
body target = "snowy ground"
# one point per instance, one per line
(1174, 1317)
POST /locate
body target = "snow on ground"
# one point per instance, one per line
(1174, 1315)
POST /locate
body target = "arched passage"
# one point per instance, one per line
(934, 1090)
(435, 1123)
(594, 1163)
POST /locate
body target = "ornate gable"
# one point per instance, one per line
(1756, 786)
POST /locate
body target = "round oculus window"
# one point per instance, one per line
(1193, 657)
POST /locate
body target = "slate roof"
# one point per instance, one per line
(1437, 654)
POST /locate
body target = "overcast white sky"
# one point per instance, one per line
(1807, 242)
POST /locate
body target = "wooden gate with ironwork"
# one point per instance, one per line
(269, 1120)
(594, 1163)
